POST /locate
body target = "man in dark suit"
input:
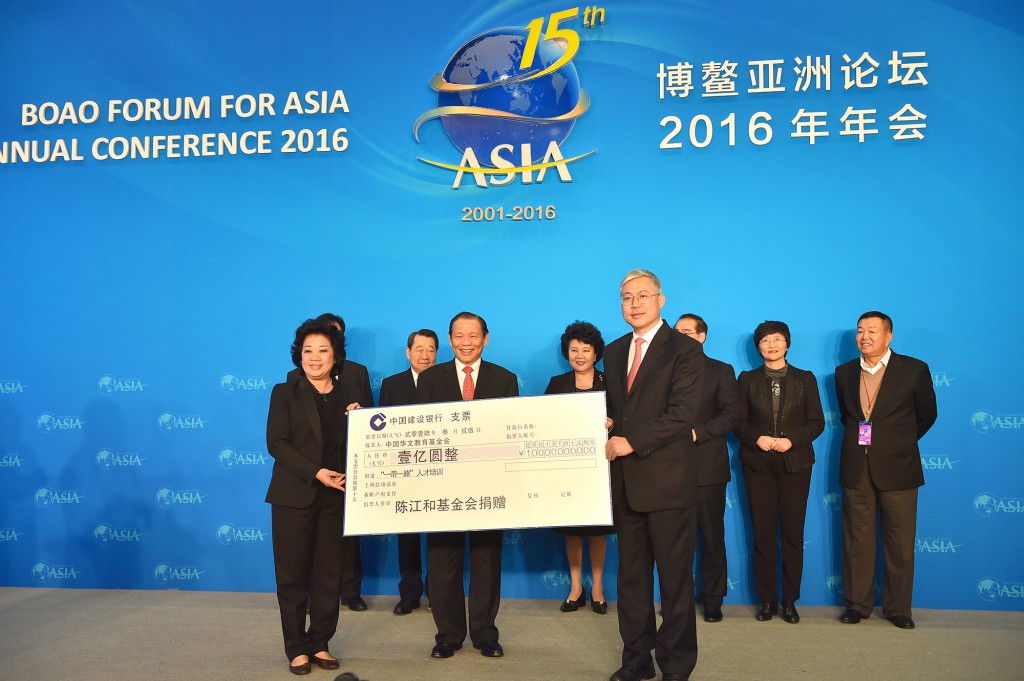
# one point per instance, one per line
(654, 381)
(886, 404)
(717, 414)
(421, 351)
(354, 381)
(466, 377)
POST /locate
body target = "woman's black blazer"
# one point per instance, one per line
(800, 417)
(295, 440)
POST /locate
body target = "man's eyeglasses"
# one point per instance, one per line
(642, 298)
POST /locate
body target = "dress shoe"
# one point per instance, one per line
(712, 613)
(851, 616)
(405, 606)
(902, 622)
(491, 649)
(789, 613)
(573, 606)
(766, 611)
(600, 607)
(674, 677)
(631, 674)
(300, 669)
(355, 603)
(326, 662)
(443, 650)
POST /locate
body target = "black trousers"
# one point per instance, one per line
(351, 568)
(446, 556)
(307, 563)
(410, 567)
(666, 539)
(714, 569)
(778, 507)
(863, 506)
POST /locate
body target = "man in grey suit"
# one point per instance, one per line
(653, 376)
(717, 414)
(886, 403)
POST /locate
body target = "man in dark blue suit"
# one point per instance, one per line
(467, 377)
(717, 414)
(421, 351)
(654, 381)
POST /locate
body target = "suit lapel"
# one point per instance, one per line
(618, 377)
(457, 376)
(764, 393)
(789, 386)
(655, 351)
(853, 389)
(481, 379)
(408, 387)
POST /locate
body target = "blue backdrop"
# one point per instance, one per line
(799, 160)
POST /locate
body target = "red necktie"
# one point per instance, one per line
(468, 389)
(637, 356)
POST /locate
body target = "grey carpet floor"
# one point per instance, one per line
(94, 635)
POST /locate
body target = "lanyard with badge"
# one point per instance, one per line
(864, 427)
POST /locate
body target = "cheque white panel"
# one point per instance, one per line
(478, 465)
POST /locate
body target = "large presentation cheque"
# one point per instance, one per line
(478, 465)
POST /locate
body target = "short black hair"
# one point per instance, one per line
(769, 327)
(584, 332)
(702, 326)
(312, 327)
(470, 316)
(332, 318)
(427, 333)
(886, 320)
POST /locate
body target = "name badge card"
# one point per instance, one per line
(864, 433)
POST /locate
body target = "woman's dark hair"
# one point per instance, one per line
(768, 327)
(584, 332)
(332, 318)
(321, 328)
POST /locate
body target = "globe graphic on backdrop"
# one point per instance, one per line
(225, 533)
(39, 571)
(495, 57)
(984, 504)
(988, 589)
(162, 573)
(104, 458)
(103, 534)
(981, 421)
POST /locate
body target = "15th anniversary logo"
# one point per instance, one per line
(508, 99)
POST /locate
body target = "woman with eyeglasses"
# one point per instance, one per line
(780, 416)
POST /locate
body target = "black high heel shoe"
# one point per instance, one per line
(573, 606)
(600, 607)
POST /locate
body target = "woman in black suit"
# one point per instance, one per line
(780, 416)
(306, 431)
(583, 346)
